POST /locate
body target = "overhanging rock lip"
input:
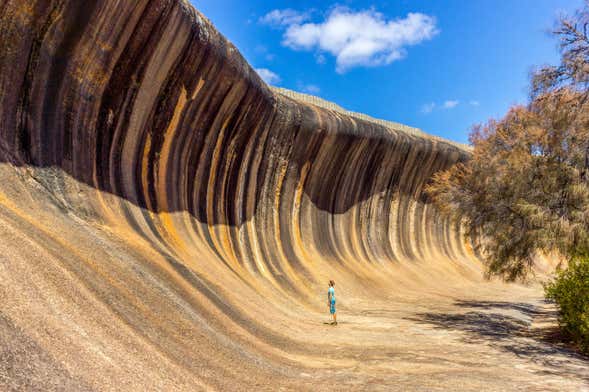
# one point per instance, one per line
(220, 43)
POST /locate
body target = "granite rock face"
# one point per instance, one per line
(169, 222)
(146, 101)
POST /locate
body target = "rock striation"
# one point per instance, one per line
(146, 101)
(169, 221)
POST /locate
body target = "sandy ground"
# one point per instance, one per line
(85, 307)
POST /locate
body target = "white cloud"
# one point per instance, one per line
(311, 89)
(268, 76)
(284, 17)
(363, 38)
(450, 104)
(474, 103)
(308, 88)
(428, 107)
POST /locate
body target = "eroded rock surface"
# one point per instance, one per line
(168, 222)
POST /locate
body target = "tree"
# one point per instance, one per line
(526, 188)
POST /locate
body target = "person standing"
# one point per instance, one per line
(331, 301)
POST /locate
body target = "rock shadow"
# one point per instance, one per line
(508, 326)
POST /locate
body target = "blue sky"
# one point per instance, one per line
(441, 66)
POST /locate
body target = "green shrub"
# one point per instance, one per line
(570, 291)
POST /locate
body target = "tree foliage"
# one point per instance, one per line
(573, 70)
(526, 188)
(570, 290)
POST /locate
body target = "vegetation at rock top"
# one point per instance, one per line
(526, 188)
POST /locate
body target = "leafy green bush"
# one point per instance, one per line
(570, 291)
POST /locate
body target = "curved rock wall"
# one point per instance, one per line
(137, 118)
(145, 100)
